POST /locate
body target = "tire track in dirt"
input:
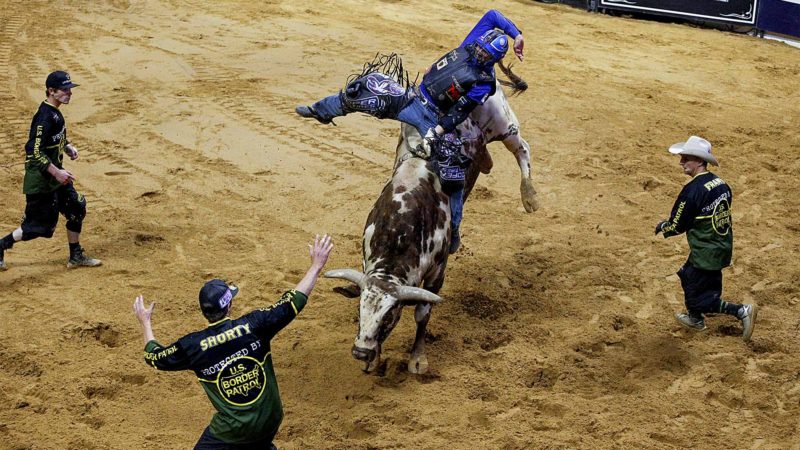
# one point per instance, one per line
(117, 154)
(244, 14)
(305, 143)
(9, 112)
(190, 185)
(247, 110)
(175, 182)
(77, 65)
(205, 168)
(209, 71)
(212, 73)
(184, 31)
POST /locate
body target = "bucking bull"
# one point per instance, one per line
(407, 234)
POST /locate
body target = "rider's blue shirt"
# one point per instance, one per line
(491, 20)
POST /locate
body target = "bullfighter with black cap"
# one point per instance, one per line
(232, 358)
(48, 187)
(703, 212)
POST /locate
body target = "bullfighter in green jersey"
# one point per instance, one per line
(703, 212)
(48, 187)
(232, 358)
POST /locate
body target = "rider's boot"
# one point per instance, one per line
(309, 112)
(324, 110)
(455, 241)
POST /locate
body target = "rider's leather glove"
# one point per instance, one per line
(429, 141)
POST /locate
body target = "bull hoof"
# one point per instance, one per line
(418, 364)
(372, 365)
(530, 200)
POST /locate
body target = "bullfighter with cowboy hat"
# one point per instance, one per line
(703, 212)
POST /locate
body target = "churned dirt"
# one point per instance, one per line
(556, 331)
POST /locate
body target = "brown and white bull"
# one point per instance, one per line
(405, 245)
(407, 234)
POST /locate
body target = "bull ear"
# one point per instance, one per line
(349, 275)
(410, 293)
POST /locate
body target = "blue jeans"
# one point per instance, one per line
(419, 116)
(457, 207)
(329, 107)
(415, 113)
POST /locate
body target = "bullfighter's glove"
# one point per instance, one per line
(660, 226)
(71, 151)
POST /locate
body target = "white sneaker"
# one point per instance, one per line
(81, 260)
(748, 314)
(690, 321)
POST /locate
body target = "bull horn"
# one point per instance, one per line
(410, 293)
(349, 275)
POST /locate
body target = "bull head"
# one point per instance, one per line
(380, 306)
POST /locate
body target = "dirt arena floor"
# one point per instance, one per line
(557, 329)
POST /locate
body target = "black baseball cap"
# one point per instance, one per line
(216, 295)
(59, 80)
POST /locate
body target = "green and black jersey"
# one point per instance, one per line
(48, 137)
(232, 360)
(703, 212)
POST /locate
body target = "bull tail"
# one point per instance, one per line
(517, 84)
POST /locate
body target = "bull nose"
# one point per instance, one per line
(363, 354)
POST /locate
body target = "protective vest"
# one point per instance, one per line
(451, 77)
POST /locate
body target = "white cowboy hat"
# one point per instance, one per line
(695, 146)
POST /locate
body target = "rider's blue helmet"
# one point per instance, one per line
(495, 43)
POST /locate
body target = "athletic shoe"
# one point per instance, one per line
(690, 321)
(308, 112)
(2, 260)
(748, 314)
(79, 259)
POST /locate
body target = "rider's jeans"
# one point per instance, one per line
(329, 107)
(416, 114)
(456, 207)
